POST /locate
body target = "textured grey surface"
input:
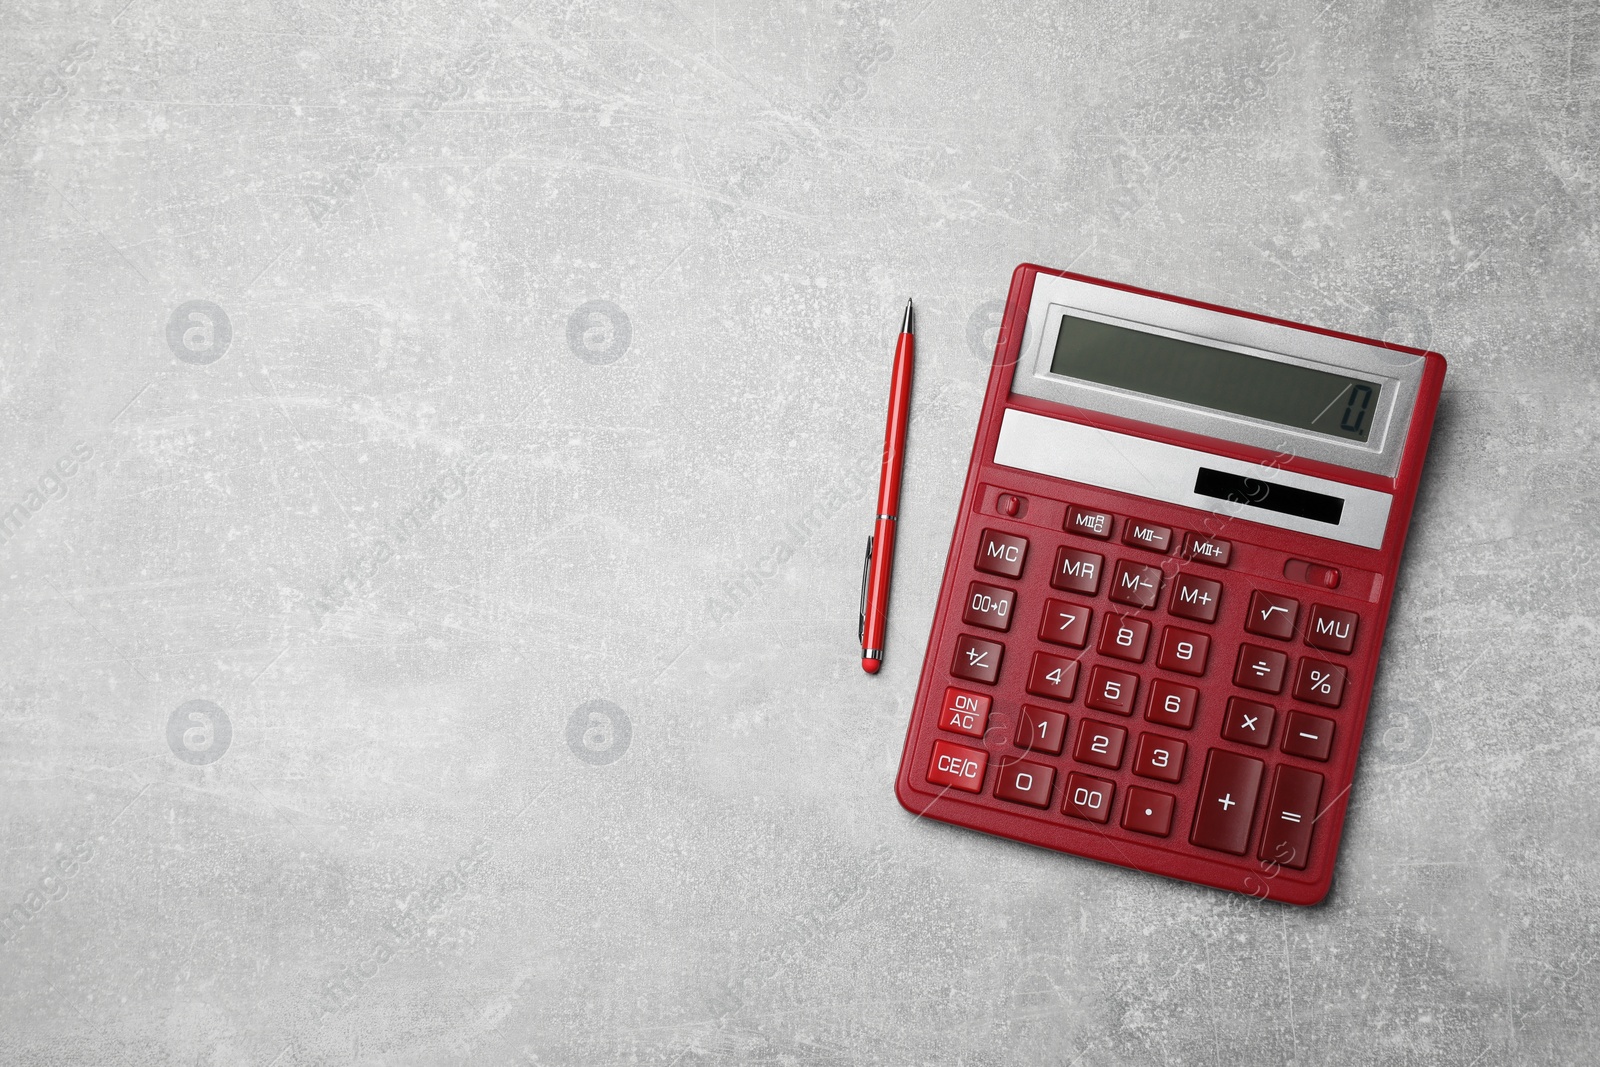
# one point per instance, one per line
(557, 341)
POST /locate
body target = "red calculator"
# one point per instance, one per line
(1166, 592)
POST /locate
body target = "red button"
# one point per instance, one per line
(1024, 782)
(1065, 623)
(1146, 535)
(964, 712)
(1136, 584)
(1001, 554)
(1307, 735)
(1319, 682)
(1088, 797)
(1271, 615)
(1089, 523)
(1212, 550)
(1227, 802)
(1039, 730)
(1172, 704)
(1248, 723)
(1100, 743)
(1112, 691)
(1298, 570)
(1012, 505)
(957, 766)
(977, 660)
(1195, 598)
(1077, 572)
(1260, 669)
(1159, 757)
(1291, 815)
(1331, 630)
(1148, 812)
(1053, 676)
(1183, 651)
(989, 606)
(1124, 637)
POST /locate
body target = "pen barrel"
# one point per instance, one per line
(876, 623)
(894, 434)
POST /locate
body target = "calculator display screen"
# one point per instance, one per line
(1190, 373)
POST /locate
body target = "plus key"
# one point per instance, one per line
(1227, 803)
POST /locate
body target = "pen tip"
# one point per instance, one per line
(869, 665)
(906, 325)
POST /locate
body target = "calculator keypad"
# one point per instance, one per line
(1135, 585)
(1227, 803)
(1261, 669)
(977, 660)
(1183, 651)
(989, 606)
(1065, 623)
(1271, 615)
(1112, 690)
(1100, 744)
(1077, 572)
(1213, 737)
(1124, 637)
(1053, 676)
(1025, 782)
(1042, 730)
(1195, 598)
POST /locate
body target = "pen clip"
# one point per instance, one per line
(866, 572)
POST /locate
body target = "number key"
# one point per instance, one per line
(1159, 757)
(1172, 704)
(1053, 676)
(1124, 637)
(1183, 651)
(1065, 623)
(1088, 797)
(1024, 782)
(1100, 744)
(1040, 730)
(1112, 691)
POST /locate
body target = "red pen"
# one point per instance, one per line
(880, 546)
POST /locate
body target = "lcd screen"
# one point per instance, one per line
(1189, 373)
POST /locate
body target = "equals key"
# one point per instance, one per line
(1291, 816)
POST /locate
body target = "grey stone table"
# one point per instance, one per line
(437, 449)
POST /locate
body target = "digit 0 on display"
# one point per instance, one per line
(1197, 513)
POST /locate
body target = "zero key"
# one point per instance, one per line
(1227, 802)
